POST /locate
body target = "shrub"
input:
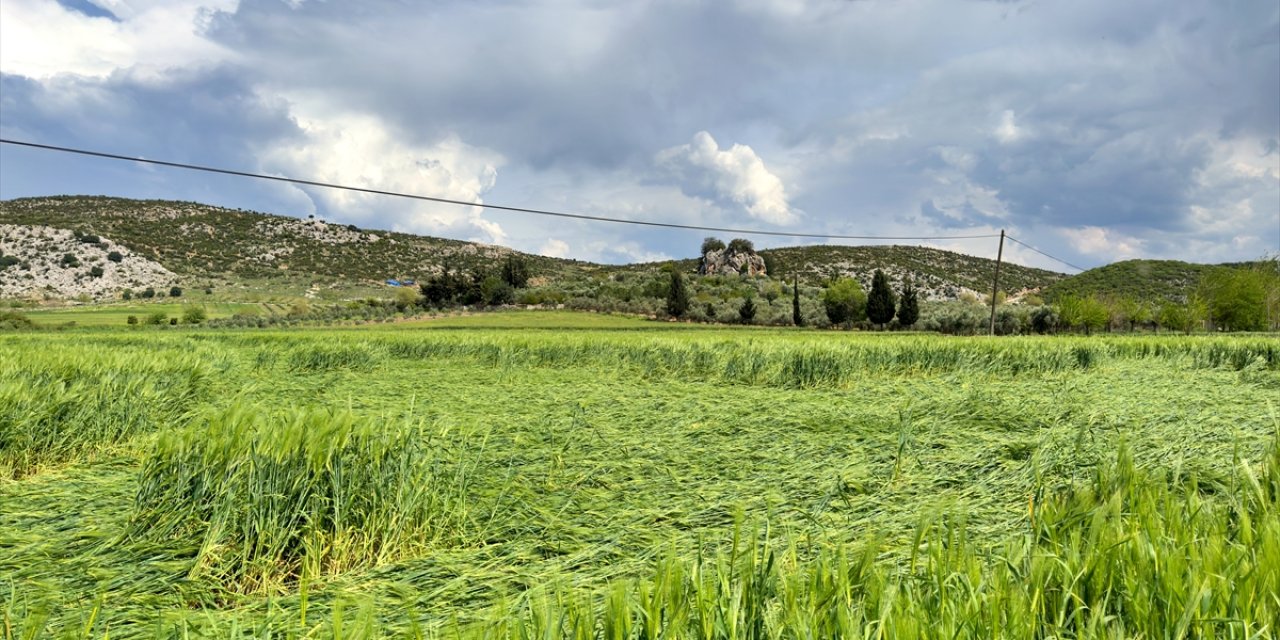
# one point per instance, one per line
(712, 244)
(156, 318)
(148, 293)
(115, 256)
(175, 292)
(69, 260)
(193, 314)
(741, 245)
(8, 261)
(132, 320)
(96, 272)
(13, 320)
(127, 294)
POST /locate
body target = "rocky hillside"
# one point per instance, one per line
(39, 260)
(938, 274)
(199, 245)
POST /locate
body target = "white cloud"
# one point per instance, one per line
(1108, 244)
(1008, 131)
(738, 174)
(359, 151)
(554, 248)
(41, 39)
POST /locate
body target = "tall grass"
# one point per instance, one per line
(59, 406)
(271, 497)
(1126, 555)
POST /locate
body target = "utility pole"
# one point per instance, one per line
(995, 285)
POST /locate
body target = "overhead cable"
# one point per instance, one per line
(540, 212)
(1051, 257)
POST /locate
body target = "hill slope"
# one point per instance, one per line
(1147, 280)
(203, 244)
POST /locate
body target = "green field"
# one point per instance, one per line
(607, 477)
(118, 315)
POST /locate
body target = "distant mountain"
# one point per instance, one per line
(203, 245)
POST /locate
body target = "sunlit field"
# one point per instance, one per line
(576, 476)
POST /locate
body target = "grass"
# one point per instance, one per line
(462, 481)
(118, 315)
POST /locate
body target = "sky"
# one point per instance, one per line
(1094, 130)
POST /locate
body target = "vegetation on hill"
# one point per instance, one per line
(1145, 280)
(230, 247)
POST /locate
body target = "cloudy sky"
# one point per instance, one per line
(1095, 130)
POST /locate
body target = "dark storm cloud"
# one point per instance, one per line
(1149, 119)
(211, 117)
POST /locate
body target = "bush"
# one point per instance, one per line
(96, 272)
(175, 292)
(712, 244)
(8, 261)
(127, 295)
(69, 260)
(115, 256)
(741, 245)
(10, 320)
(90, 239)
(157, 318)
(148, 293)
(193, 314)
(132, 320)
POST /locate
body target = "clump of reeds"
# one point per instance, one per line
(269, 497)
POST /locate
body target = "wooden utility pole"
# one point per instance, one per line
(995, 285)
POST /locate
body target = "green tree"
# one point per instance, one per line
(880, 303)
(908, 306)
(845, 302)
(515, 272)
(495, 291)
(710, 244)
(747, 312)
(1088, 314)
(677, 295)
(1237, 299)
(796, 317)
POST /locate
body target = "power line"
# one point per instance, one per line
(1045, 254)
(540, 212)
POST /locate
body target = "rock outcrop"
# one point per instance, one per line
(729, 261)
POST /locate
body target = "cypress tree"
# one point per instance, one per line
(908, 307)
(747, 311)
(796, 318)
(677, 295)
(880, 302)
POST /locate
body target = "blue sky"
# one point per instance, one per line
(1098, 131)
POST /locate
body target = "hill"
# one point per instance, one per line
(1146, 280)
(204, 246)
